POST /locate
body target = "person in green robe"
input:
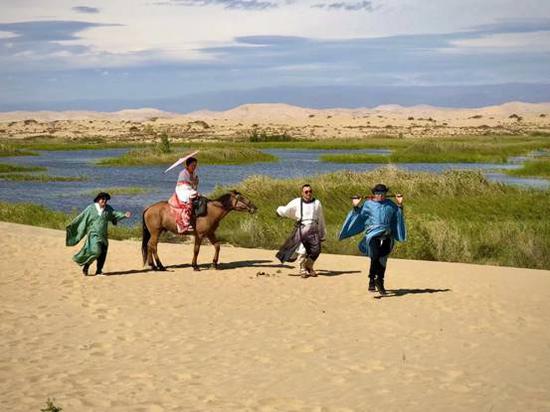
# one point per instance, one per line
(93, 222)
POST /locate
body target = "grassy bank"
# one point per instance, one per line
(450, 150)
(119, 191)
(21, 177)
(455, 217)
(209, 155)
(13, 150)
(533, 168)
(50, 143)
(6, 168)
(36, 215)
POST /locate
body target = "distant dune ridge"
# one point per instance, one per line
(300, 122)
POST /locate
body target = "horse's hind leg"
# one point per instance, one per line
(198, 241)
(154, 261)
(216, 243)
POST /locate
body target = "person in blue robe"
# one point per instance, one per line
(382, 223)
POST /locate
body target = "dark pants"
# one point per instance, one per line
(101, 258)
(380, 247)
(101, 254)
(311, 240)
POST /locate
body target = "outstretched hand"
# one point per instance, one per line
(128, 214)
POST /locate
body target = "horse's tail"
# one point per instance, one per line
(145, 236)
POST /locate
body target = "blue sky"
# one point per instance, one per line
(218, 53)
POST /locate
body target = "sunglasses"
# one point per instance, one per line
(308, 191)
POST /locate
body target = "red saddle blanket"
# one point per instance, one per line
(181, 212)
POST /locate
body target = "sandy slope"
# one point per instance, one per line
(456, 337)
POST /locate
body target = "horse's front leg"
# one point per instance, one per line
(198, 241)
(216, 243)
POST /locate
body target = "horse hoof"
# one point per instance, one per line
(196, 268)
(215, 266)
(162, 269)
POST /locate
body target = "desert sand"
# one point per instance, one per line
(452, 337)
(298, 122)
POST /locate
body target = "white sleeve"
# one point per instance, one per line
(289, 210)
(321, 220)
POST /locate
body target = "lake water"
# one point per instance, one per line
(68, 196)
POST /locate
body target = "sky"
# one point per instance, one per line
(184, 55)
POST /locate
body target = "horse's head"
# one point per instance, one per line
(241, 203)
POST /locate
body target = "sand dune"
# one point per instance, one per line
(453, 337)
(299, 122)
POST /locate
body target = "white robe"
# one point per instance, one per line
(312, 215)
(187, 186)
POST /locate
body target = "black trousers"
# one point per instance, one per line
(380, 247)
(311, 239)
(101, 258)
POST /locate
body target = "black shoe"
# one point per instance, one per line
(85, 269)
(99, 272)
(372, 286)
(380, 286)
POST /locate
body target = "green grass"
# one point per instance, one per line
(37, 215)
(494, 149)
(119, 191)
(533, 168)
(13, 150)
(456, 216)
(355, 158)
(51, 143)
(40, 178)
(6, 168)
(208, 155)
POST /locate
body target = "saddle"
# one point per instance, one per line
(183, 213)
(199, 206)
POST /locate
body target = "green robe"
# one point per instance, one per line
(90, 223)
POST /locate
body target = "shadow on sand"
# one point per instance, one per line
(402, 292)
(206, 266)
(253, 264)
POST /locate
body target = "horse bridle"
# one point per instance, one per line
(238, 199)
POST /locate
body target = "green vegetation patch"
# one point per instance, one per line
(355, 158)
(209, 155)
(40, 178)
(456, 216)
(120, 191)
(37, 215)
(479, 149)
(12, 150)
(7, 168)
(534, 168)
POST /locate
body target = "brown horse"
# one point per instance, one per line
(157, 219)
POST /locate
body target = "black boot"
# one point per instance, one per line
(85, 269)
(372, 285)
(379, 282)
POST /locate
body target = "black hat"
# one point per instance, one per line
(380, 188)
(102, 195)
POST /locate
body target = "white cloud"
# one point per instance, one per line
(7, 35)
(538, 42)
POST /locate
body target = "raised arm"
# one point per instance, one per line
(290, 210)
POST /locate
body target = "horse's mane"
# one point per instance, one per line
(225, 199)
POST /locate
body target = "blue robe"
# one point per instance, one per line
(375, 219)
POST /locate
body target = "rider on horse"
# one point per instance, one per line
(186, 191)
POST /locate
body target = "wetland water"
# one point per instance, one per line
(69, 196)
